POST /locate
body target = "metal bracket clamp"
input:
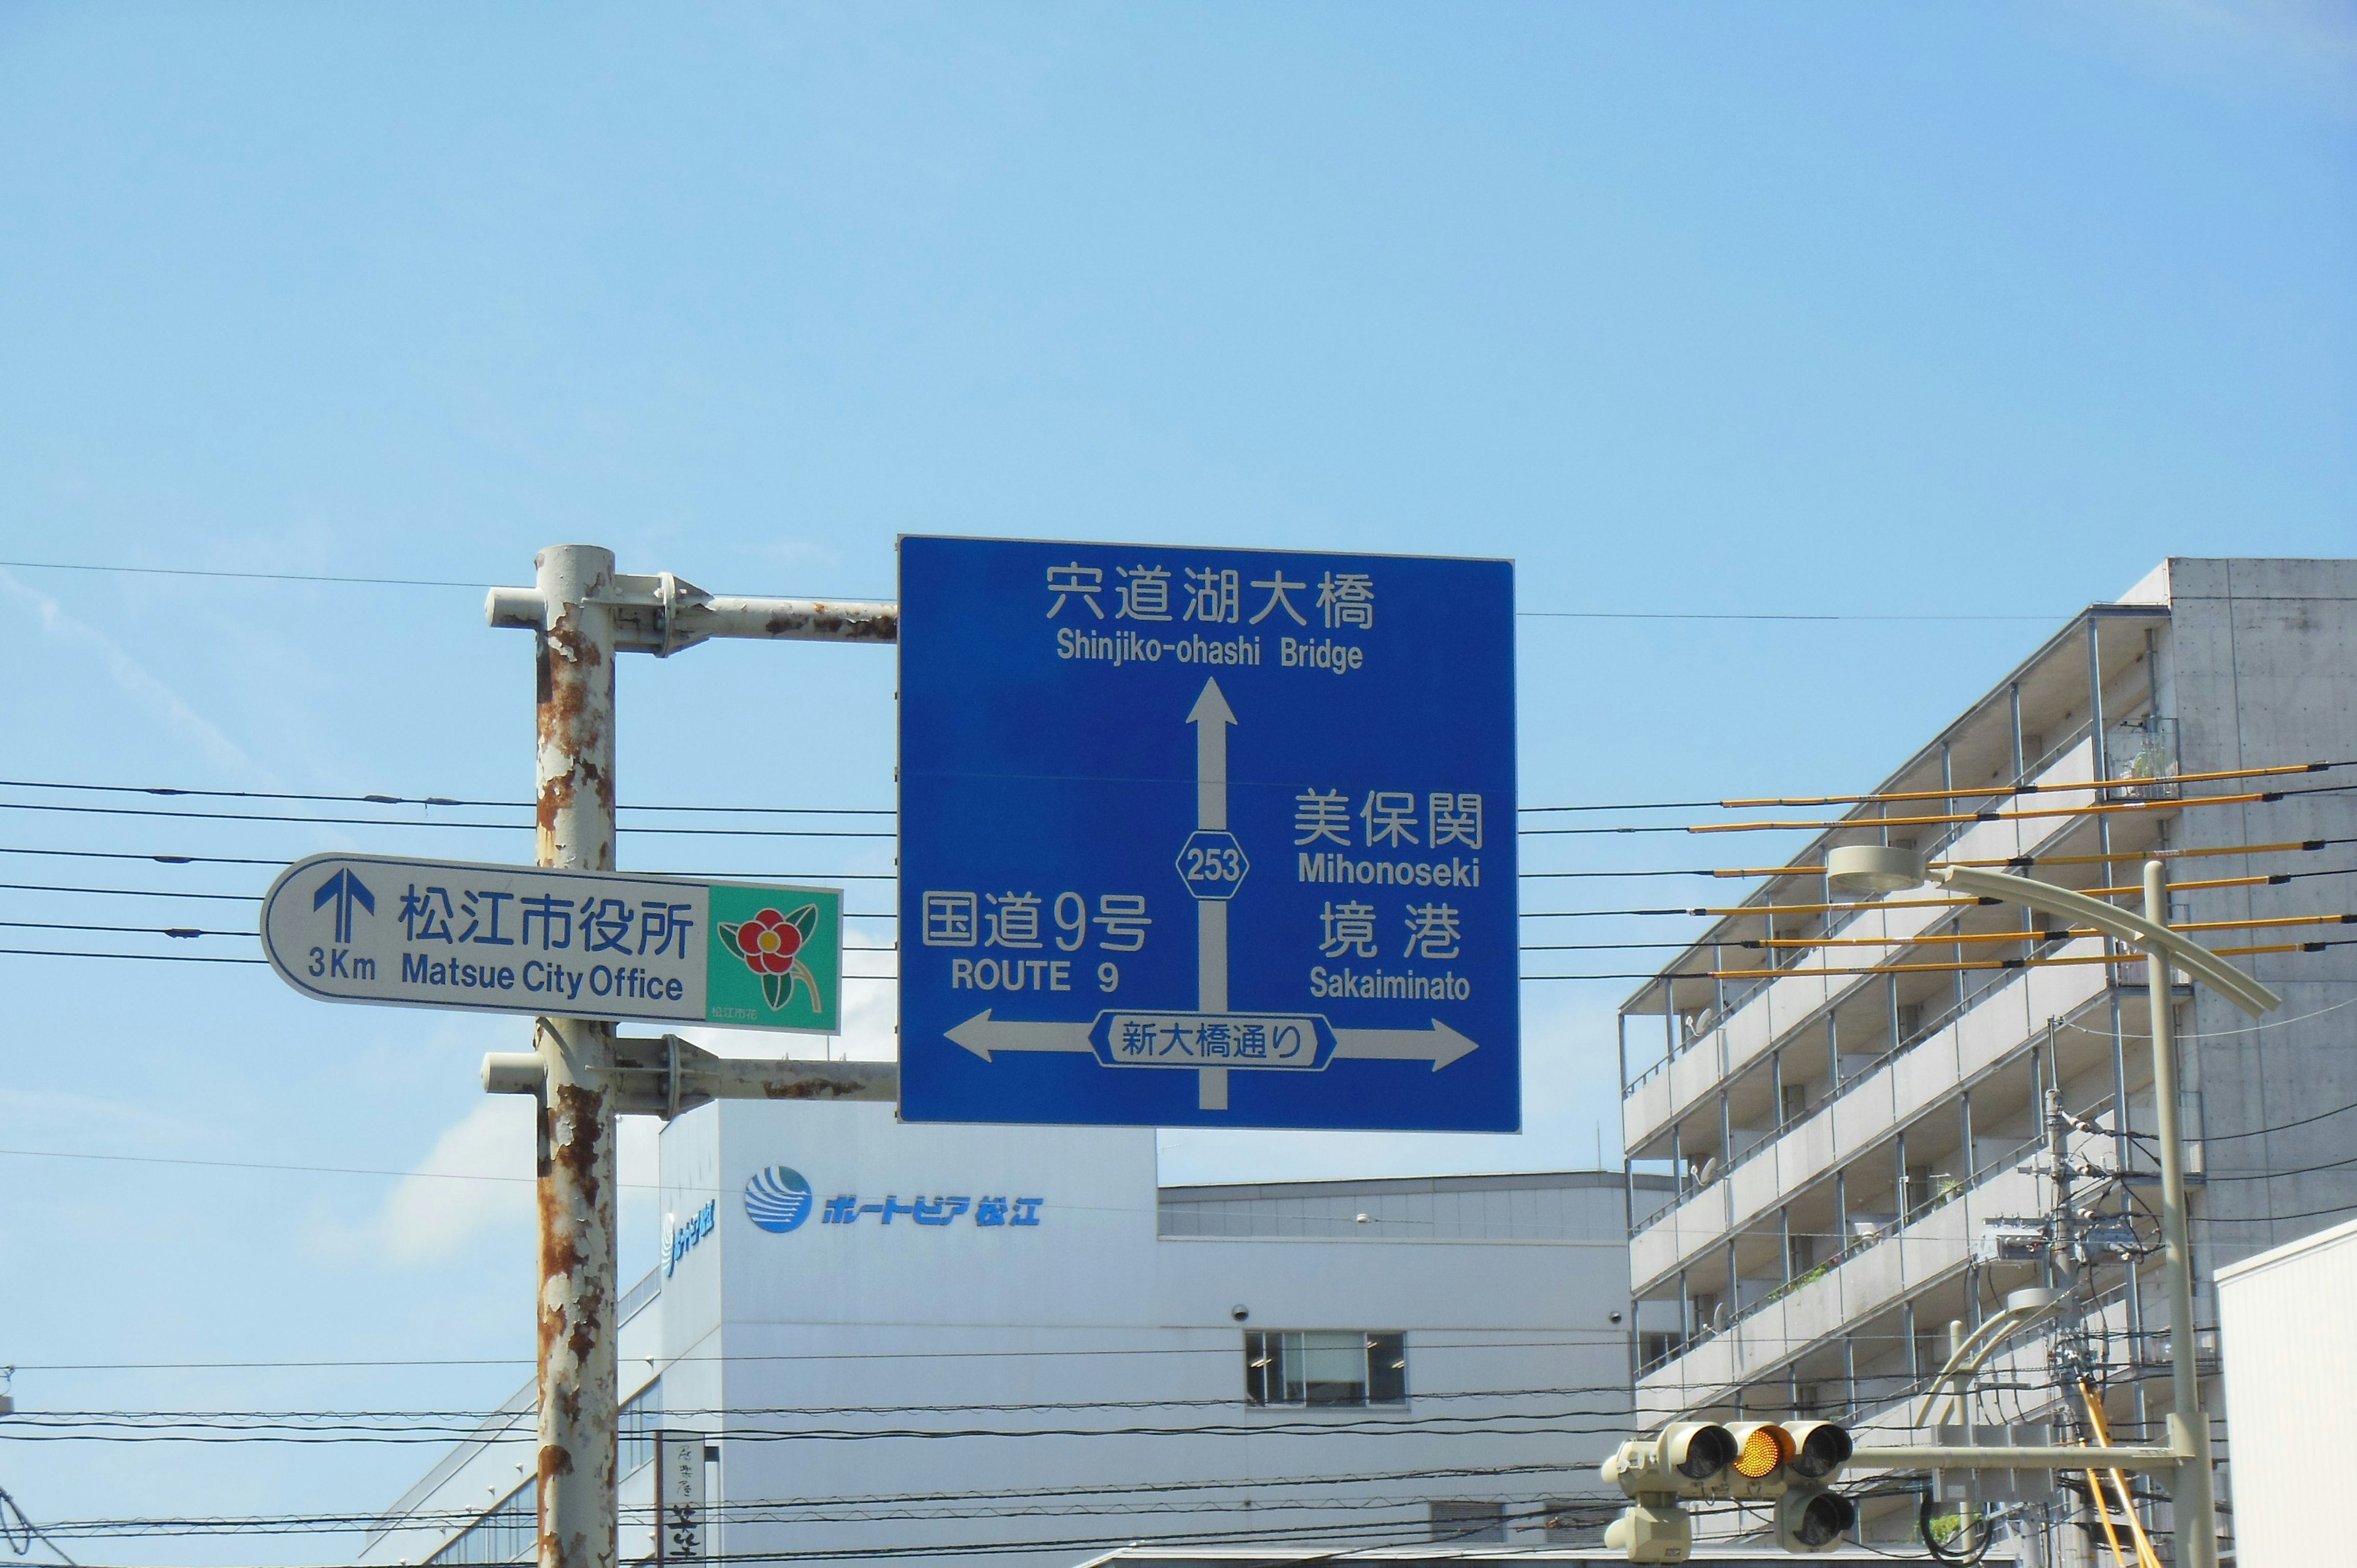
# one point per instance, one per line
(666, 1076)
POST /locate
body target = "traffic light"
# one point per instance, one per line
(1791, 1466)
(1809, 1519)
(1809, 1516)
(1685, 1460)
(1762, 1450)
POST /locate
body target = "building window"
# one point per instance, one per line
(635, 1431)
(1469, 1521)
(509, 1533)
(1315, 1366)
(1656, 1346)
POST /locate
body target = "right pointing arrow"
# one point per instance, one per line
(1439, 1045)
(982, 1035)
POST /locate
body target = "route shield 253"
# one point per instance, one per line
(1203, 837)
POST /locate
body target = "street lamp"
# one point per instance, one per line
(1856, 870)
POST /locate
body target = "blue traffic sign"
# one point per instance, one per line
(1216, 838)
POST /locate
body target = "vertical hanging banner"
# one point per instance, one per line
(679, 1496)
(1198, 837)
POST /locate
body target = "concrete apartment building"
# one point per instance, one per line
(1843, 1118)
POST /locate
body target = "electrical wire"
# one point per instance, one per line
(130, 892)
(1567, 1339)
(428, 800)
(702, 1414)
(2281, 1127)
(21, 1535)
(133, 957)
(180, 932)
(156, 811)
(347, 580)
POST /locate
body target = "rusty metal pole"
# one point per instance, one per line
(582, 613)
(578, 1263)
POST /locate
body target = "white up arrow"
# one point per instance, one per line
(1210, 715)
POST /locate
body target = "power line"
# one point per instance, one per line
(352, 580)
(125, 854)
(2281, 1127)
(476, 1418)
(1566, 1340)
(136, 956)
(784, 1510)
(129, 892)
(428, 822)
(427, 800)
(245, 576)
(179, 931)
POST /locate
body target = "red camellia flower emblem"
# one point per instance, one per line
(770, 945)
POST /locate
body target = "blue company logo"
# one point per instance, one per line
(778, 1199)
(685, 1237)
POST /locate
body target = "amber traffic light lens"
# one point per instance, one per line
(1764, 1448)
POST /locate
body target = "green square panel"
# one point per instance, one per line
(775, 958)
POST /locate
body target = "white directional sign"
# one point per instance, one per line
(1206, 837)
(579, 944)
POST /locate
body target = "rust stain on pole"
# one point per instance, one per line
(575, 818)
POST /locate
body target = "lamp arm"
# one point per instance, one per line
(2114, 922)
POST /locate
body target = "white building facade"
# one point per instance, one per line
(1847, 1095)
(941, 1344)
(2283, 1330)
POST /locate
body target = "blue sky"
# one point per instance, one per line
(1712, 311)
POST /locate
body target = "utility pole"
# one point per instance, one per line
(1873, 869)
(2193, 1505)
(575, 675)
(585, 614)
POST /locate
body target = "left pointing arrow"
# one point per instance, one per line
(982, 1035)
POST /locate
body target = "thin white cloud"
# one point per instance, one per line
(2264, 47)
(135, 680)
(445, 1204)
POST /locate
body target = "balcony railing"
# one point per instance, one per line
(1701, 1335)
(1729, 999)
(1997, 981)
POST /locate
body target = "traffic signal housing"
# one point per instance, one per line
(1789, 1466)
(1687, 1459)
(1810, 1515)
